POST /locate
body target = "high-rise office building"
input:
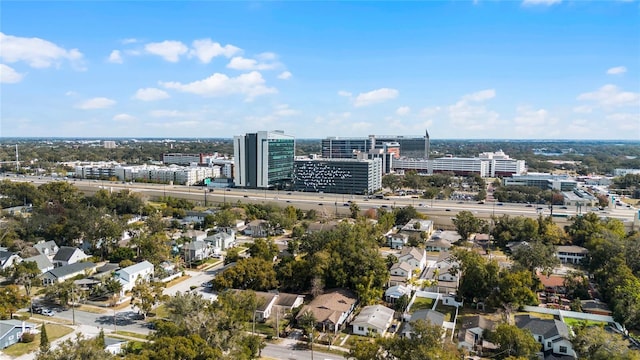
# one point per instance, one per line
(346, 148)
(339, 176)
(263, 159)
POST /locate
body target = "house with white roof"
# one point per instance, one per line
(372, 320)
(47, 248)
(392, 294)
(397, 241)
(222, 240)
(128, 276)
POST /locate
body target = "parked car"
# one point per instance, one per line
(47, 312)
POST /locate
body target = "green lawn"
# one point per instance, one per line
(261, 328)
(448, 311)
(422, 303)
(54, 332)
(131, 334)
(573, 322)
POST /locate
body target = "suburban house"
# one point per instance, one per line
(472, 329)
(482, 240)
(397, 241)
(68, 255)
(595, 307)
(197, 251)
(267, 299)
(11, 331)
(373, 320)
(431, 316)
(414, 256)
(437, 245)
(552, 283)
(571, 254)
(196, 216)
(62, 273)
(222, 240)
(194, 235)
(274, 302)
(8, 259)
(402, 270)
(416, 226)
(42, 261)
(257, 229)
(552, 334)
(47, 248)
(287, 302)
(321, 226)
(392, 294)
(114, 346)
(331, 309)
(131, 274)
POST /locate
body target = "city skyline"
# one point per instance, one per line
(537, 69)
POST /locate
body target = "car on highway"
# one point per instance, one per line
(481, 202)
(528, 205)
(564, 207)
(320, 204)
(499, 204)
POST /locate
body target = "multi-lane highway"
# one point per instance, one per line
(440, 211)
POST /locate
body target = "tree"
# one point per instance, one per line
(425, 343)
(478, 276)
(252, 273)
(76, 349)
(536, 255)
(233, 255)
(466, 224)
(264, 249)
(513, 341)
(595, 343)
(24, 273)
(514, 289)
(402, 303)
(255, 344)
(391, 181)
(11, 300)
(354, 209)
(44, 339)
(146, 295)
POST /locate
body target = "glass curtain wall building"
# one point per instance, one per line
(263, 160)
(338, 176)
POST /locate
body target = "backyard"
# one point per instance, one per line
(54, 331)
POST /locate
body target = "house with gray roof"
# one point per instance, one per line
(571, 254)
(197, 251)
(416, 257)
(68, 255)
(63, 273)
(552, 334)
(8, 259)
(222, 240)
(397, 241)
(11, 331)
(42, 261)
(472, 329)
(431, 316)
(373, 320)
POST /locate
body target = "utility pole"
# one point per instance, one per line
(73, 308)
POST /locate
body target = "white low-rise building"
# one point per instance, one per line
(372, 320)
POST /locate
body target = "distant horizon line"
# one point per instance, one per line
(5, 138)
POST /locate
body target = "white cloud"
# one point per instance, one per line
(531, 121)
(169, 50)
(611, 96)
(285, 75)
(267, 56)
(96, 103)
(129, 41)
(344, 93)
(375, 96)
(618, 70)
(250, 84)
(285, 110)
(430, 111)
(470, 116)
(124, 118)
(205, 50)
(71, 93)
(169, 113)
(8, 75)
(115, 57)
(583, 109)
(150, 94)
(626, 121)
(480, 96)
(540, 2)
(174, 124)
(403, 110)
(241, 63)
(36, 52)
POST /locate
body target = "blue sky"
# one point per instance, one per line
(538, 69)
